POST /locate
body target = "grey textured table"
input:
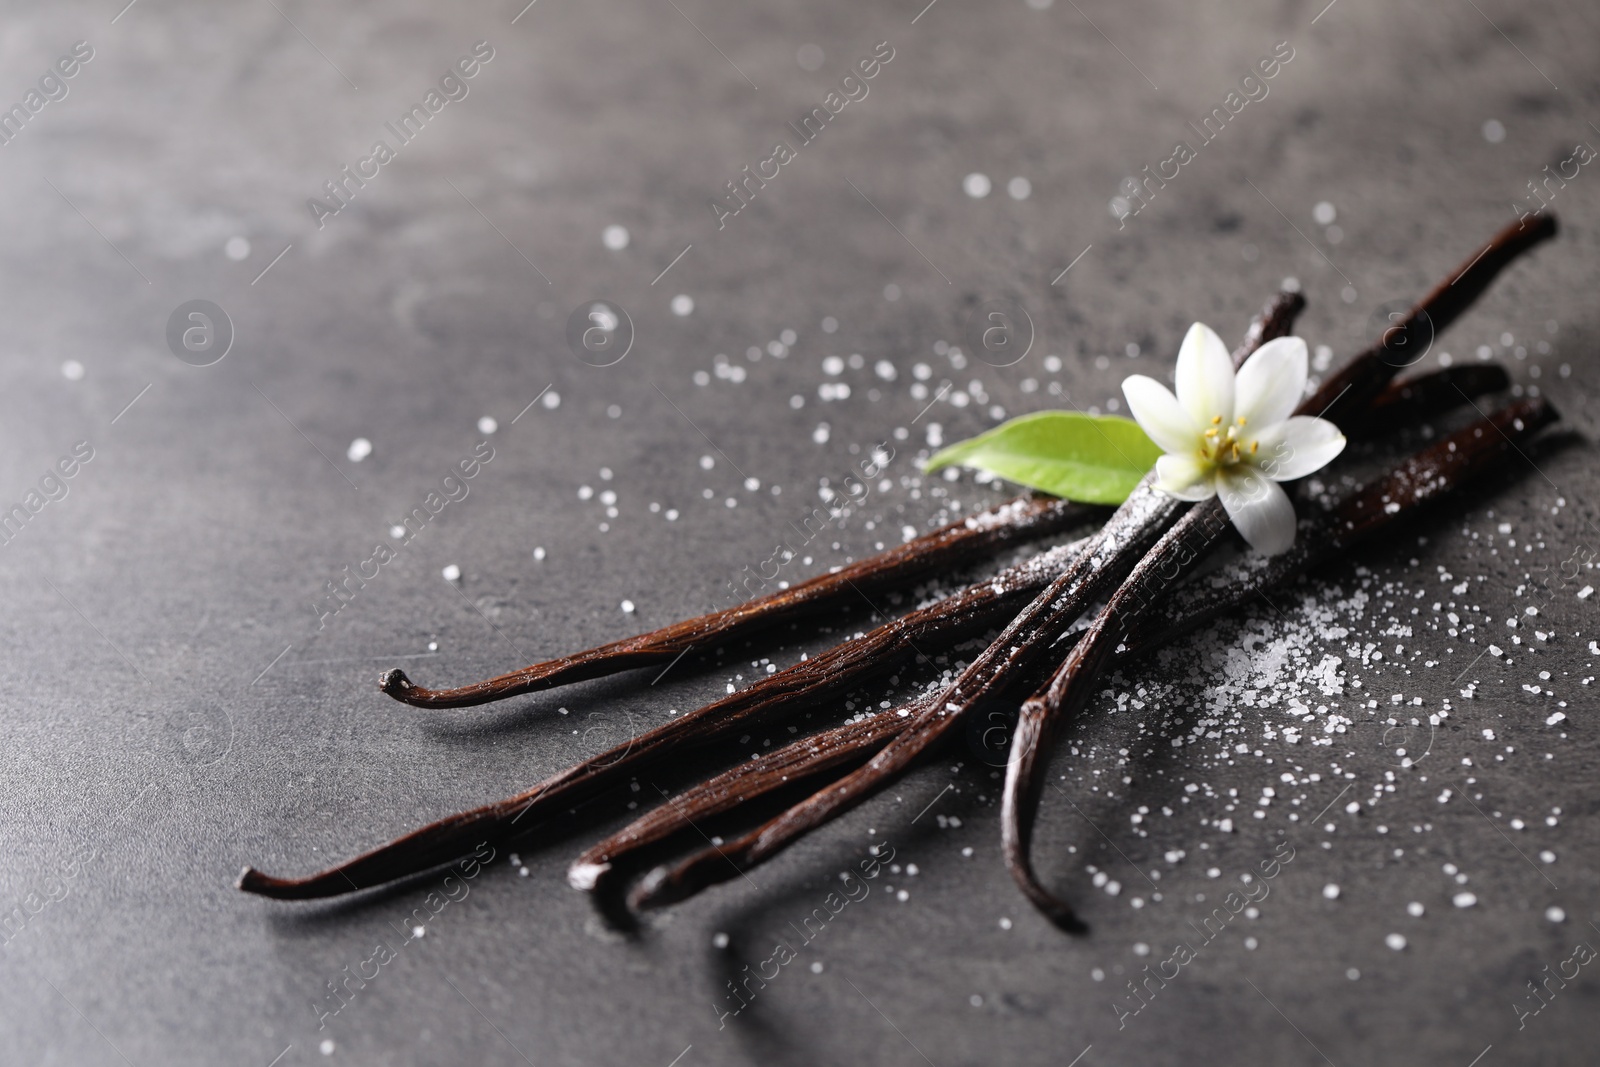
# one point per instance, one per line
(181, 698)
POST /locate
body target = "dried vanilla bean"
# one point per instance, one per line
(1018, 521)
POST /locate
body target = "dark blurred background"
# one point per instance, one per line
(180, 699)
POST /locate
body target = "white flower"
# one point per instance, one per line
(1236, 437)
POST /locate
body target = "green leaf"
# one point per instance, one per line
(1095, 459)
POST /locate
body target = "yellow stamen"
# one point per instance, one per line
(1211, 432)
(1241, 420)
(1253, 446)
(1216, 420)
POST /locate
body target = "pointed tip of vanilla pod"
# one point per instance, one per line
(648, 894)
(394, 681)
(265, 885)
(586, 876)
(1059, 912)
(1066, 921)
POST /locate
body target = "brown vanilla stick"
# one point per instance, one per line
(1132, 610)
(1018, 521)
(1144, 517)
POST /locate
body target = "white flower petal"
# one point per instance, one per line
(1186, 477)
(1295, 447)
(1259, 508)
(1269, 385)
(1205, 376)
(1160, 415)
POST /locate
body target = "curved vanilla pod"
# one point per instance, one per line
(1025, 519)
(1415, 482)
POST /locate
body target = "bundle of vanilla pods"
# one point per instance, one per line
(1134, 564)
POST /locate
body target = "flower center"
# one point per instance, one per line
(1226, 446)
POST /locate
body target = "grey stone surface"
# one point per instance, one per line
(174, 708)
